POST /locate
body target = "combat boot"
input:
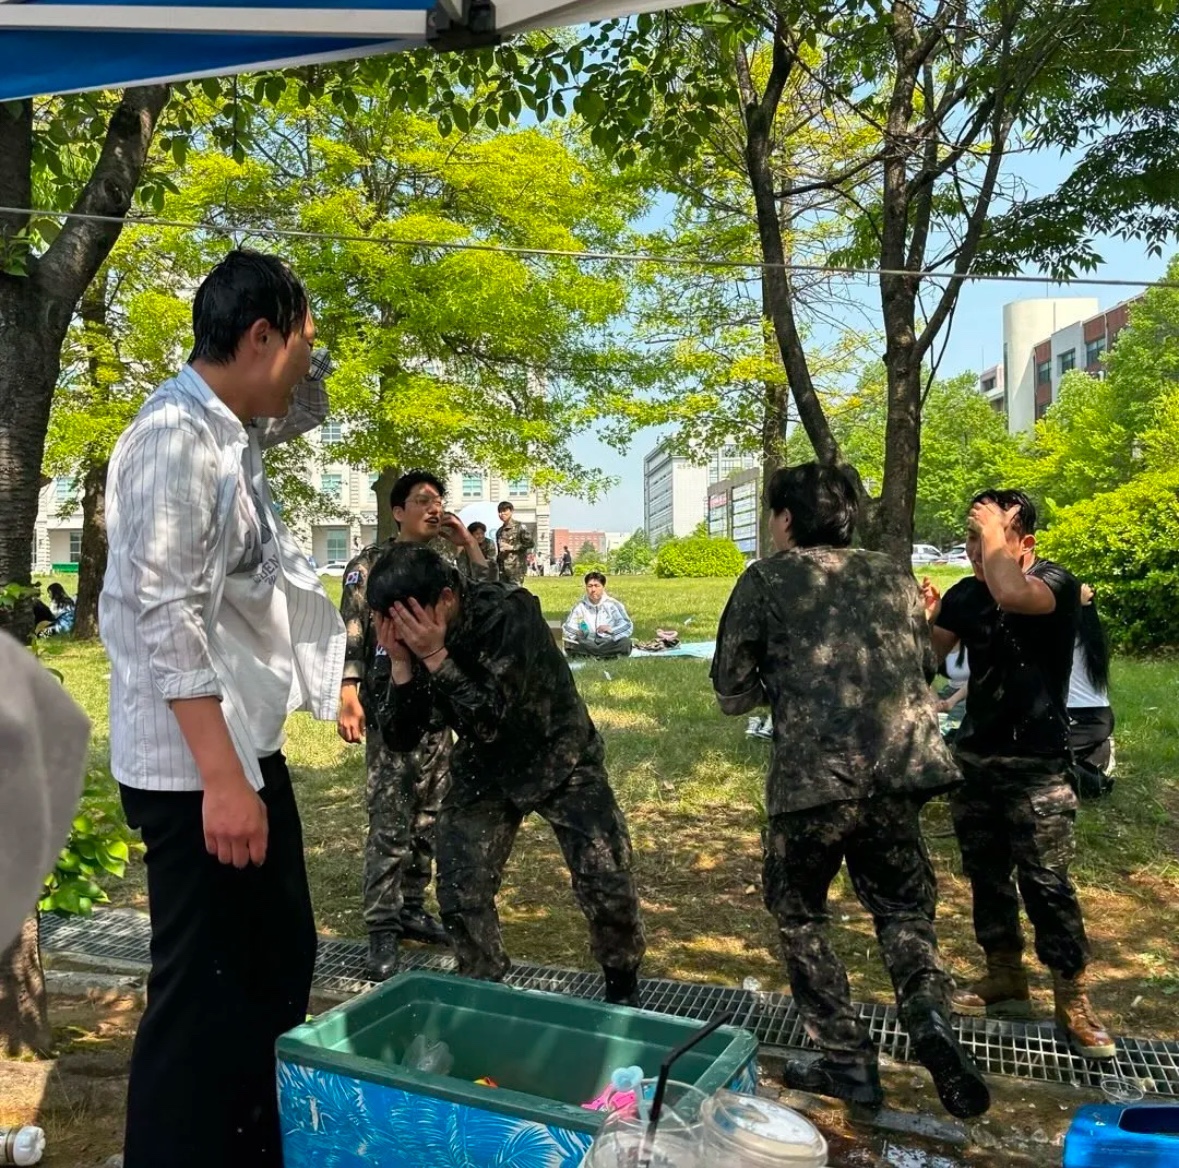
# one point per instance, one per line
(855, 1081)
(960, 1084)
(384, 956)
(419, 925)
(1077, 1019)
(622, 987)
(1003, 993)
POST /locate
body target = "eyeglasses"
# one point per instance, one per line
(427, 500)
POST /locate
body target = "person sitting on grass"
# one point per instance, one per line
(61, 604)
(599, 625)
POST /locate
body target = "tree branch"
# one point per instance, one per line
(81, 247)
(16, 171)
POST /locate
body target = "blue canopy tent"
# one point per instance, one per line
(74, 46)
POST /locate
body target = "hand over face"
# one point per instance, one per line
(422, 629)
(389, 640)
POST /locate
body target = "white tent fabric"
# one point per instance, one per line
(74, 46)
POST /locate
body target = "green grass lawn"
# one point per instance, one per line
(691, 784)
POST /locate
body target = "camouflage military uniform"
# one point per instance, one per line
(403, 791)
(836, 642)
(526, 744)
(514, 541)
(489, 554)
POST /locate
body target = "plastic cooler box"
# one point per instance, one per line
(345, 1102)
(1136, 1135)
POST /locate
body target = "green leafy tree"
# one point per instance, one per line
(444, 358)
(941, 95)
(634, 557)
(588, 554)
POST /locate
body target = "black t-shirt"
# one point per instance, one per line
(1019, 667)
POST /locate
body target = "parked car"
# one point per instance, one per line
(334, 568)
(925, 553)
(955, 558)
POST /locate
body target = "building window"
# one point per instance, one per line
(1044, 373)
(519, 488)
(1093, 351)
(332, 485)
(1067, 361)
(75, 547)
(337, 544)
(472, 486)
(61, 489)
(330, 432)
(988, 385)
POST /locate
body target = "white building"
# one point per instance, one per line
(58, 541)
(1042, 341)
(675, 489)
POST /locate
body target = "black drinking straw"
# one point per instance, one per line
(648, 1147)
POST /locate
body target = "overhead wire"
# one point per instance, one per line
(586, 256)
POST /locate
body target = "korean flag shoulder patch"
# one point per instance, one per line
(353, 577)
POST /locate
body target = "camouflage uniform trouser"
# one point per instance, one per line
(476, 831)
(1014, 819)
(403, 795)
(881, 841)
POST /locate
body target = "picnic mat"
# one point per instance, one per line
(703, 650)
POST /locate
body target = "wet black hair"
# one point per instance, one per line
(1005, 500)
(399, 495)
(1094, 645)
(473, 527)
(244, 288)
(821, 500)
(409, 571)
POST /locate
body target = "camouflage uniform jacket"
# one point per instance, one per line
(514, 541)
(507, 692)
(489, 554)
(362, 654)
(837, 643)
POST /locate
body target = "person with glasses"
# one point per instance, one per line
(403, 789)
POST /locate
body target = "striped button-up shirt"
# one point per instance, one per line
(177, 482)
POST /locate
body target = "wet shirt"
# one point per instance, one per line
(836, 642)
(362, 654)
(507, 692)
(1019, 668)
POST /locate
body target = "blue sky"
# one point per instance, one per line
(975, 343)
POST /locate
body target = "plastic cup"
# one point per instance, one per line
(623, 1141)
(1117, 1090)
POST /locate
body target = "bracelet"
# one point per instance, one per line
(434, 654)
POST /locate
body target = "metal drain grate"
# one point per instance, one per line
(1026, 1050)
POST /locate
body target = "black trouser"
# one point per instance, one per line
(232, 953)
(601, 649)
(1014, 819)
(476, 832)
(1089, 731)
(880, 838)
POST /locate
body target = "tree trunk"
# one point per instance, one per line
(24, 1015)
(386, 528)
(92, 562)
(35, 313)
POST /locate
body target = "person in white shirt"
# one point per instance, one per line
(599, 625)
(1090, 716)
(217, 628)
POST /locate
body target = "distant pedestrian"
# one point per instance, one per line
(566, 563)
(514, 542)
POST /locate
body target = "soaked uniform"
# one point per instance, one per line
(402, 790)
(1015, 813)
(836, 642)
(526, 744)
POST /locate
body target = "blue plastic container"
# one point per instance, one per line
(1137, 1135)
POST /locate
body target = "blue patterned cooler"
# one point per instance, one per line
(345, 1102)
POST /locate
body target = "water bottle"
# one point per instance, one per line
(21, 1145)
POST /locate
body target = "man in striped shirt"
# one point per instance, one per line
(217, 628)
